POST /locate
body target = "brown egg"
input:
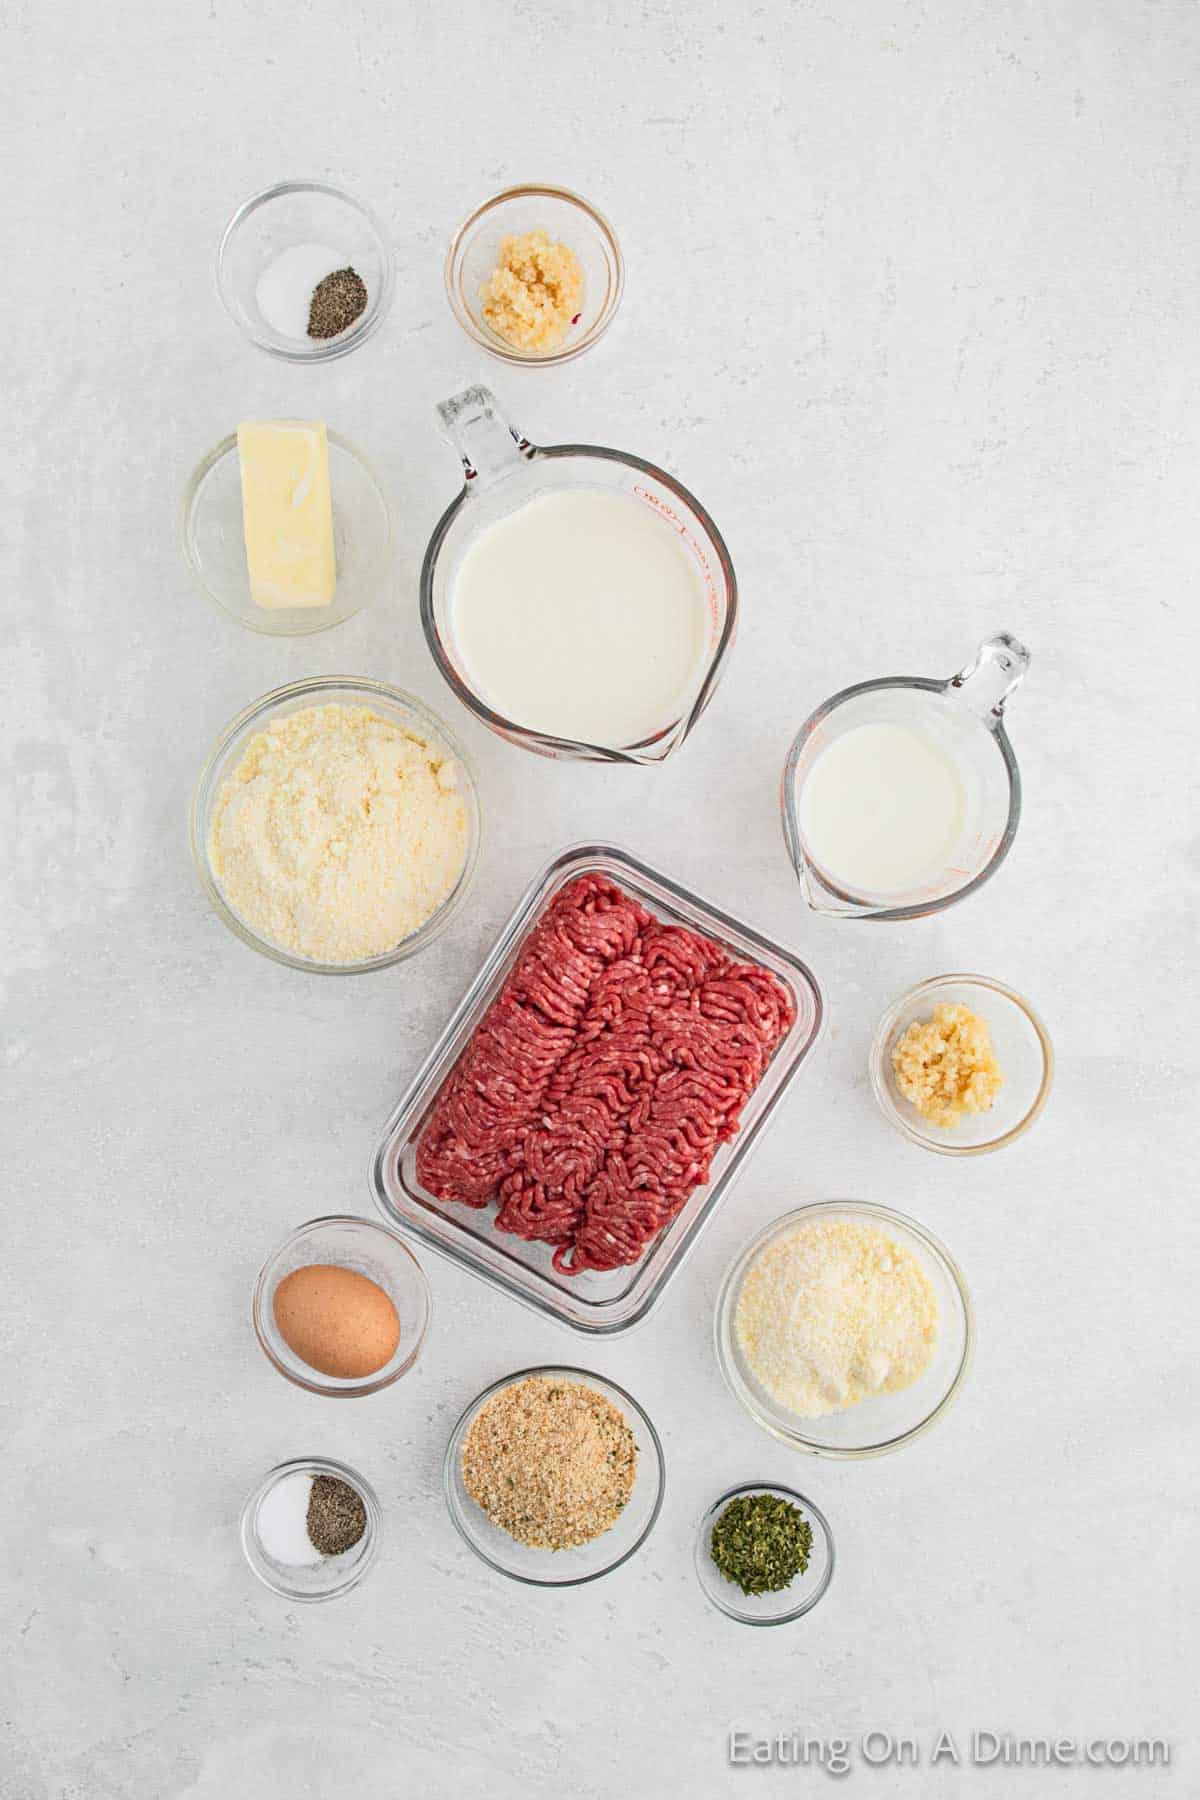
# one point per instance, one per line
(336, 1320)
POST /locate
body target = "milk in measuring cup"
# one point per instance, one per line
(580, 615)
(882, 809)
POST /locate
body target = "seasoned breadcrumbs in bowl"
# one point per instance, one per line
(551, 1462)
(554, 1476)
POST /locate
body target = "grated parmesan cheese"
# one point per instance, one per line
(833, 1312)
(339, 832)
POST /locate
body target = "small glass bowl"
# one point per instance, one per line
(281, 217)
(392, 703)
(566, 218)
(885, 1421)
(586, 1562)
(791, 1602)
(213, 543)
(333, 1575)
(1023, 1050)
(369, 1249)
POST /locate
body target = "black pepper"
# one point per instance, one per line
(337, 1516)
(336, 303)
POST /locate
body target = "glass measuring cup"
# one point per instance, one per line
(503, 471)
(964, 719)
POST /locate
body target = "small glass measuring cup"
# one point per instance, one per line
(504, 471)
(964, 717)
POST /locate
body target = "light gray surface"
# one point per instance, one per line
(912, 305)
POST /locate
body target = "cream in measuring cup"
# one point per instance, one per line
(577, 599)
(901, 795)
(579, 615)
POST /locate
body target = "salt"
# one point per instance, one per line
(285, 287)
(282, 1523)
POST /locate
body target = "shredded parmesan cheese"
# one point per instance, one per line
(833, 1312)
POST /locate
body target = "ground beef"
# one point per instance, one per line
(593, 1094)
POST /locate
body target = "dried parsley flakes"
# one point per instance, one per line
(761, 1543)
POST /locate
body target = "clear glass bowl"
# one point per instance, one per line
(333, 1575)
(278, 219)
(586, 1562)
(1023, 1050)
(566, 218)
(370, 1249)
(213, 544)
(391, 703)
(598, 1303)
(886, 1421)
(791, 1602)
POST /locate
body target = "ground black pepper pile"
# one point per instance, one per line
(337, 1516)
(336, 303)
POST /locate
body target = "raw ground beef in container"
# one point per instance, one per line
(595, 1090)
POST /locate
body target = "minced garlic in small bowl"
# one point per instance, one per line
(961, 1064)
(532, 297)
(535, 275)
(945, 1065)
(335, 827)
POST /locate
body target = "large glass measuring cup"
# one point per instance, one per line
(962, 719)
(503, 471)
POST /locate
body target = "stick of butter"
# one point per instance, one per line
(287, 514)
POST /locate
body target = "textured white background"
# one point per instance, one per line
(912, 305)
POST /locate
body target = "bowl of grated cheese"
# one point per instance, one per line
(335, 826)
(844, 1329)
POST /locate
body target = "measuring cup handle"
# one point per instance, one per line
(489, 446)
(985, 684)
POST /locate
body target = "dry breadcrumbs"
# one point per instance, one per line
(550, 1462)
(945, 1066)
(532, 295)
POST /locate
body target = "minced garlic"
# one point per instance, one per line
(532, 295)
(833, 1312)
(946, 1067)
(339, 833)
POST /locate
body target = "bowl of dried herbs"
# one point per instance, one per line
(764, 1554)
